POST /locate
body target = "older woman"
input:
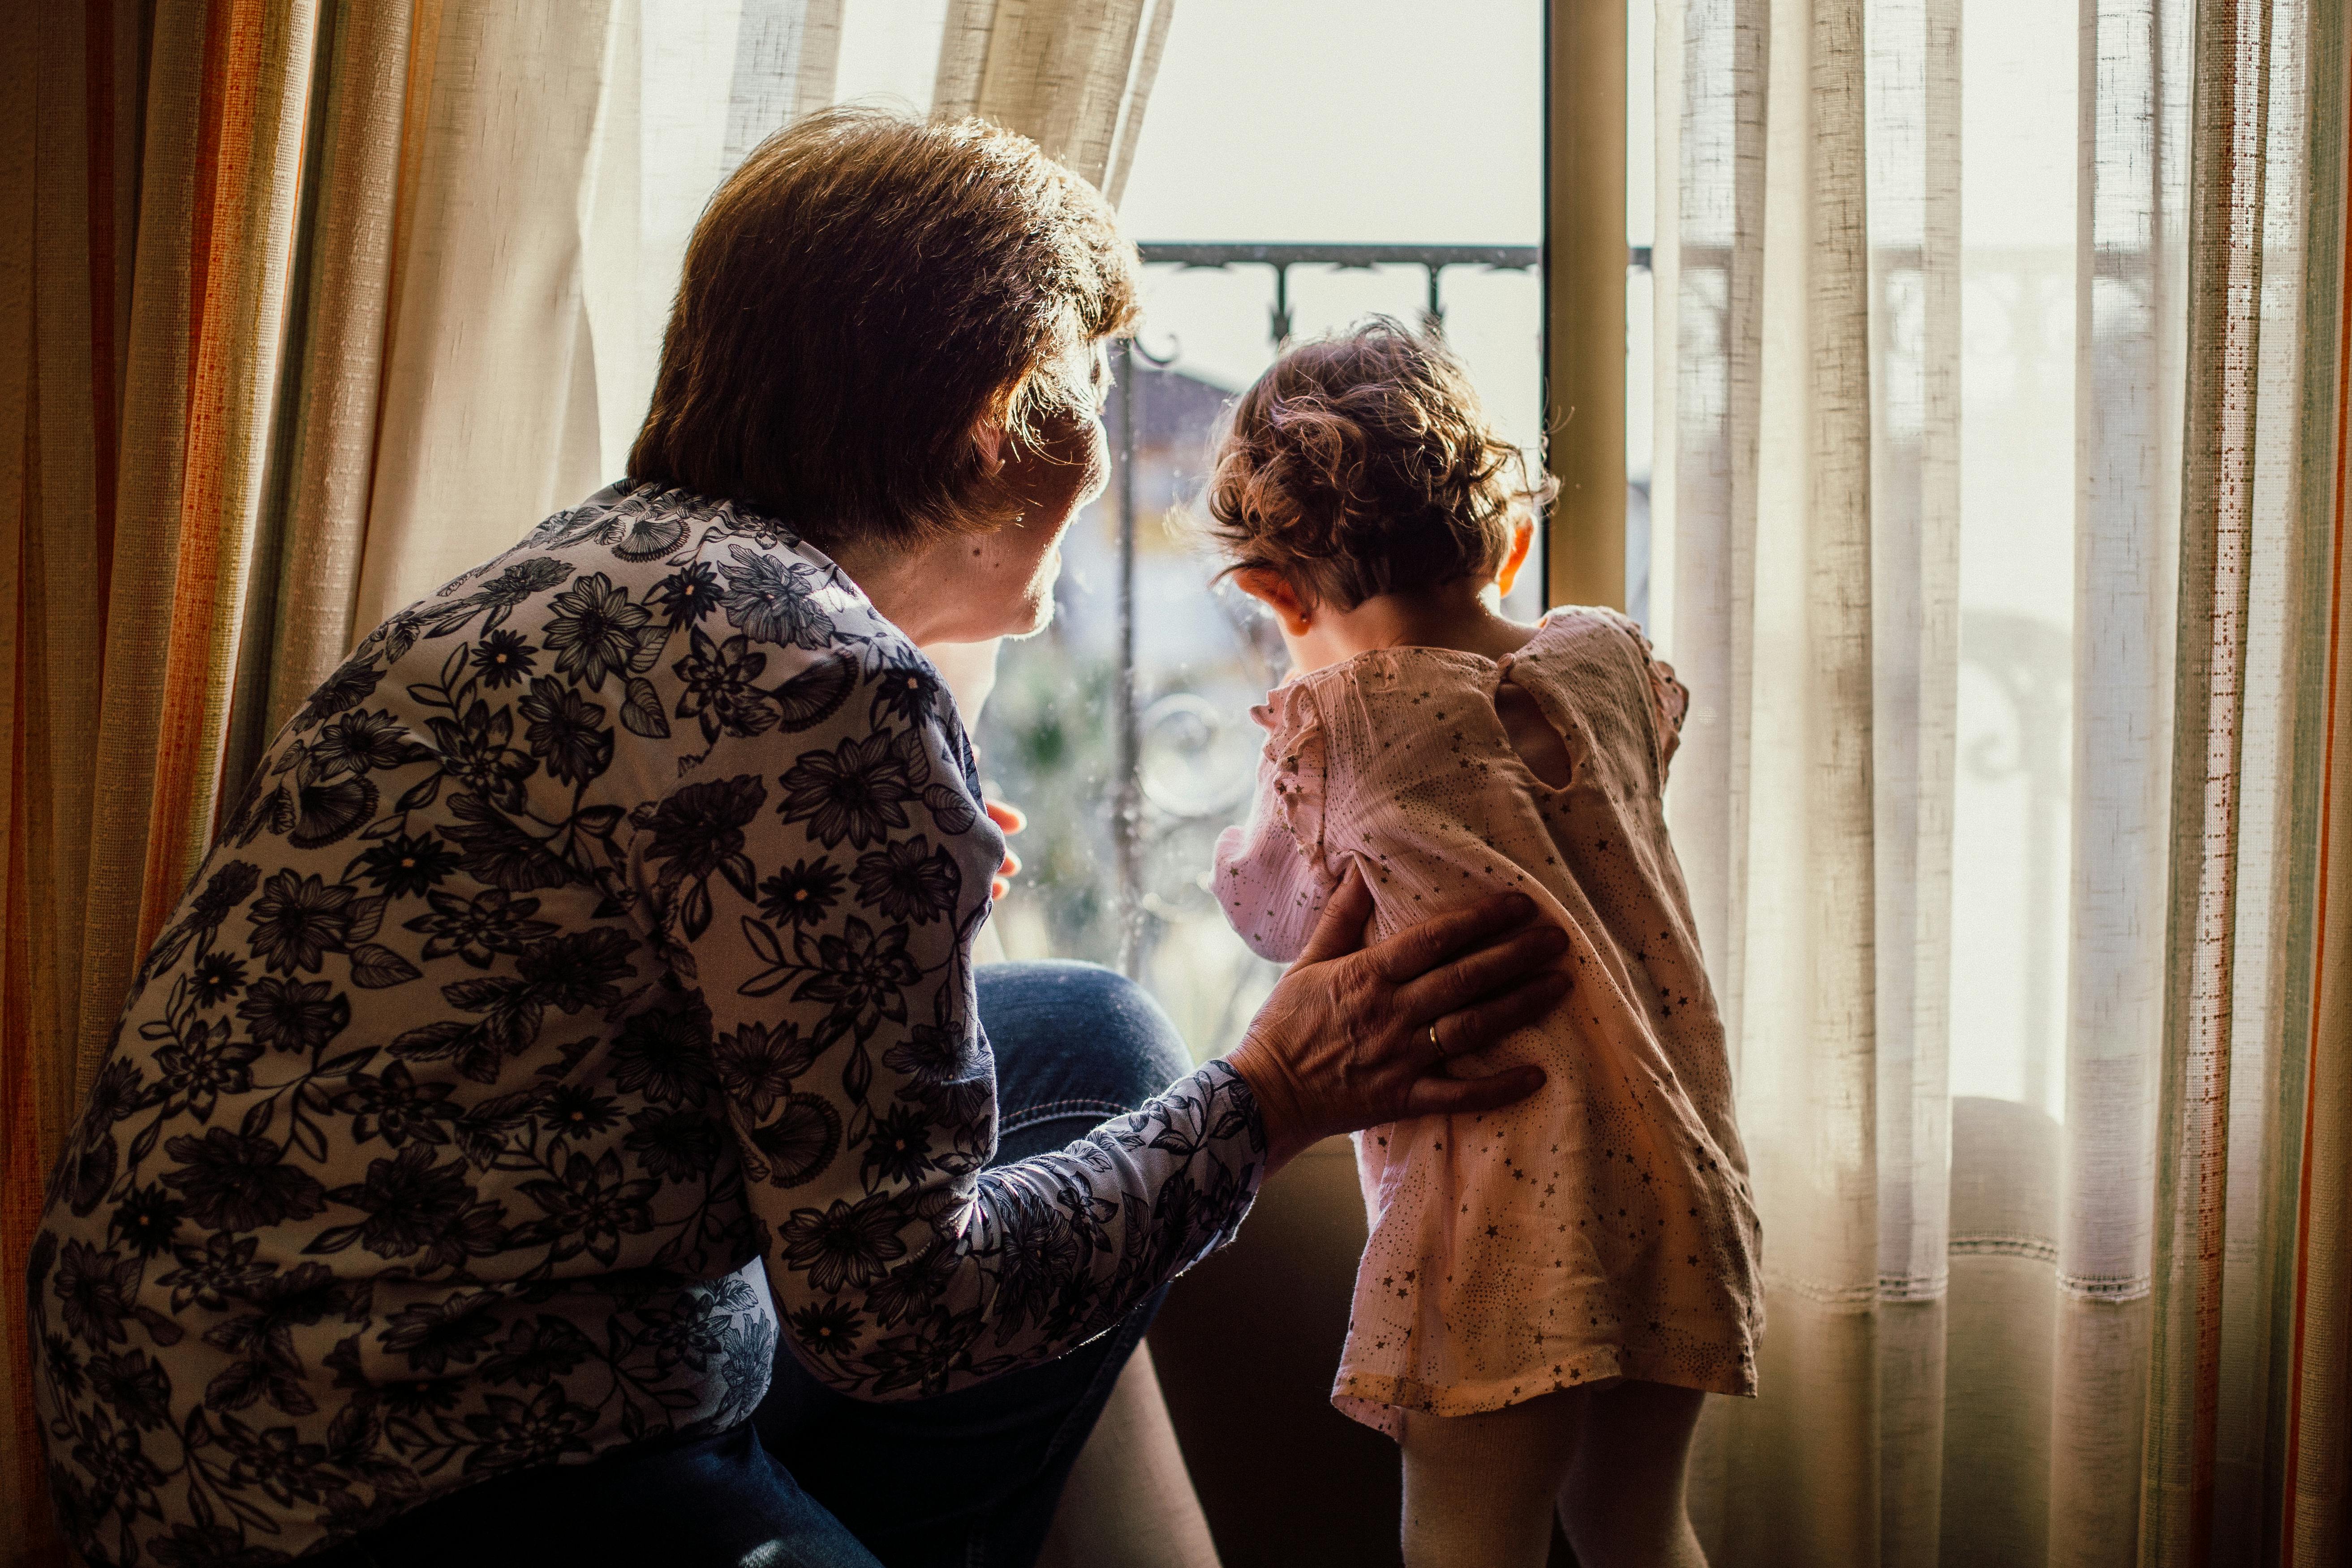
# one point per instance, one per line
(579, 1003)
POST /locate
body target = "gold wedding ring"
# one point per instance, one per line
(1435, 1044)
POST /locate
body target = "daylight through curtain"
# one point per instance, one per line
(1998, 520)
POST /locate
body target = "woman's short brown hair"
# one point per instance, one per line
(857, 296)
(1363, 464)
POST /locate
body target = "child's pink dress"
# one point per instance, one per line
(1602, 1228)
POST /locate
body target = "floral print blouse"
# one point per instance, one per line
(595, 936)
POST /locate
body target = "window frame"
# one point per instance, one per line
(1584, 294)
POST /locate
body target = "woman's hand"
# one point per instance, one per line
(1354, 1036)
(1012, 820)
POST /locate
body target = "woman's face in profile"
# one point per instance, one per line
(1012, 569)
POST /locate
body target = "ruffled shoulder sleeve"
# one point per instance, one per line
(1272, 874)
(1292, 761)
(1669, 697)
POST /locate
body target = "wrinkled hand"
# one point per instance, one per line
(1012, 820)
(1346, 1041)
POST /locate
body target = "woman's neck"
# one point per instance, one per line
(1466, 616)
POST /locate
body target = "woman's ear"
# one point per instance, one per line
(1522, 539)
(1274, 591)
(988, 440)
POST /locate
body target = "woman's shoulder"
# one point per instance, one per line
(638, 577)
(642, 622)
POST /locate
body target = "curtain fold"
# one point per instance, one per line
(1809, 987)
(1914, 200)
(2075, 1292)
(1075, 76)
(297, 624)
(69, 141)
(2229, 160)
(2306, 1449)
(216, 184)
(2128, 366)
(488, 419)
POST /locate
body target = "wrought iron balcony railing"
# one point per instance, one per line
(1434, 259)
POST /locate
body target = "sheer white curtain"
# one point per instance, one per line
(1982, 481)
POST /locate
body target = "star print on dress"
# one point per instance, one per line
(1602, 1228)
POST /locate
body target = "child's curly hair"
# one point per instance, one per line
(1364, 463)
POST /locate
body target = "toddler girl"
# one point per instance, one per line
(1547, 1289)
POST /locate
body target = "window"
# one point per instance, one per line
(1123, 729)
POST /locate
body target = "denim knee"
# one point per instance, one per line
(1076, 1034)
(1143, 1052)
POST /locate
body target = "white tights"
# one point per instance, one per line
(1479, 1490)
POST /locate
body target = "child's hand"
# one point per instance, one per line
(1012, 820)
(1354, 1036)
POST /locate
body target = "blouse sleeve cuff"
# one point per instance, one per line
(1232, 1141)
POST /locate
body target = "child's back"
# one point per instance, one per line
(1548, 1289)
(1602, 1228)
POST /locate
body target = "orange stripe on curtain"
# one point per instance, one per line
(132, 391)
(212, 94)
(232, 342)
(216, 182)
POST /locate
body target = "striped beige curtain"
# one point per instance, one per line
(306, 306)
(148, 178)
(1999, 518)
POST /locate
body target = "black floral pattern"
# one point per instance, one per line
(909, 880)
(802, 894)
(404, 867)
(505, 1028)
(859, 790)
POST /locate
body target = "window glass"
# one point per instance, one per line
(1268, 124)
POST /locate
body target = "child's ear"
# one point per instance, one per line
(1522, 539)
(1274, 591)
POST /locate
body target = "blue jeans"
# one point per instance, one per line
(815, 1480)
